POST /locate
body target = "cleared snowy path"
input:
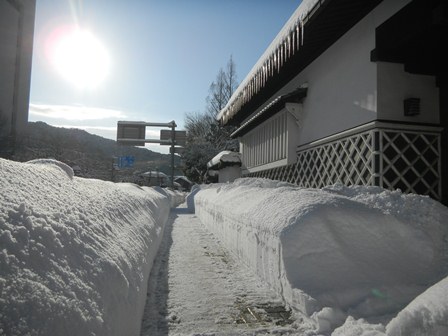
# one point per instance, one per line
(198, 288)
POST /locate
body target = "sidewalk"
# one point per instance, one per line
(198, 288)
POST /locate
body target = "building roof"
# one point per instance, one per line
(156, 174)
(225, 159)
(416, 37)
(183, 178)
(314, 26)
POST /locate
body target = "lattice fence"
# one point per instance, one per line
(411, 162)
(391, 158)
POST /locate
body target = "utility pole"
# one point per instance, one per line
(173, 142)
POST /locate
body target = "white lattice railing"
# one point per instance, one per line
(393, 156)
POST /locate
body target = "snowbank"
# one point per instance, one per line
(176, 197)
(190, 198)
(359, 251)
(426, 315)
(75, 254)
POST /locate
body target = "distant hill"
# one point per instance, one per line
(92, 154)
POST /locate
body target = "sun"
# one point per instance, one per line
(79, 57)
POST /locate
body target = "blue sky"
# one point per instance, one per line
(162, 56)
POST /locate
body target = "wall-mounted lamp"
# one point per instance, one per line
(411, 107)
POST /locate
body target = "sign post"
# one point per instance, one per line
(173, 141)
(132, 133)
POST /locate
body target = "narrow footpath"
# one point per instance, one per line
(198, 288)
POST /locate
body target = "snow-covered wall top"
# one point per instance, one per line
(224, 158)
(75, 254)
(361, 251)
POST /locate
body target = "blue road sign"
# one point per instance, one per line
(126, 161)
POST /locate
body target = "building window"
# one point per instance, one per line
(267, 143)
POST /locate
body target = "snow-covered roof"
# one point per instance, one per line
(284, 46)
(154, 174)
(224, 158)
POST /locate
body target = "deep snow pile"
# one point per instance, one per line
(341, 251)
(75, 254)
(176, 197)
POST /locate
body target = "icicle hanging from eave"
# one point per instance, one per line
(289, 45)
(255, 83)
(263, 78)
(286, 49)
(297, 31)
(278, 59)
(265, 73)
(282, 50)
(302, 29)
(293, 41)
(258, 80)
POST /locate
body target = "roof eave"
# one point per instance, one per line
(326, 23)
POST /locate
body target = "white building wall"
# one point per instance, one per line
(16, 41)
(395, 85)
(343, 82)
(229, 174)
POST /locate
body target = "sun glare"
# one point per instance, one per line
(80, 58)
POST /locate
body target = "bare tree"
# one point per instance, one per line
(206, 137)
(198, 126)
(222, 88)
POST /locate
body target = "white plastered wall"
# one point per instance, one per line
(343, 83)
(395, 85)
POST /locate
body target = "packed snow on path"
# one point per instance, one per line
(197, 287)
(75, 254)
(345, 259)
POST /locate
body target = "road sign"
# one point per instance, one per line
(131, 131)
(126, 161)
(180, 137)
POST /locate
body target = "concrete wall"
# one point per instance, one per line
(16, 41)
